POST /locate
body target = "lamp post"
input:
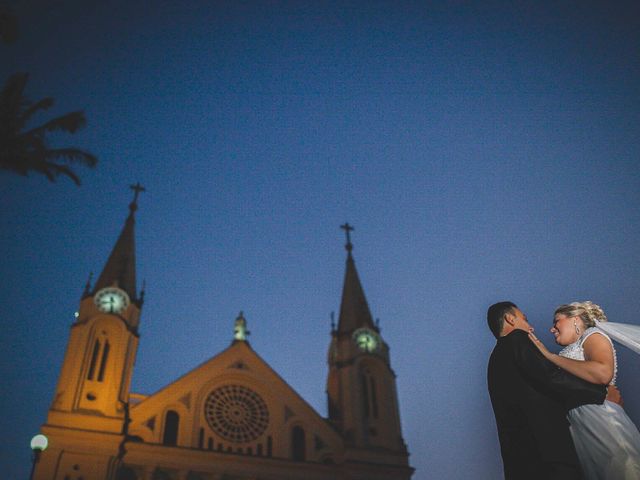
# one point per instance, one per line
(38, 445)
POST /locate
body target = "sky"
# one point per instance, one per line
(484, 151)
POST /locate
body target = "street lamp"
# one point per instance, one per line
(38, 444)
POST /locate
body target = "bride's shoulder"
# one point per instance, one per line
(590, 332)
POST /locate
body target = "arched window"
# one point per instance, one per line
(298, 445)
(100, 355)
(103, 362)
(374, 396)
(94, 359)
(365, 395)
(369, 394)
(171, 425)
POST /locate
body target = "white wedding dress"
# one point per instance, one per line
(606, 440)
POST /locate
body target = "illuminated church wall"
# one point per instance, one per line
(232, 417)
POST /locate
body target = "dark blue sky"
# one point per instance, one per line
(483, 150)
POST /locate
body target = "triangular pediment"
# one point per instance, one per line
(232, 401)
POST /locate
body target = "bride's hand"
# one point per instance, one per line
(613, 395)
(539, 345)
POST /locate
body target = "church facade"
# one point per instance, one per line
(232, 417)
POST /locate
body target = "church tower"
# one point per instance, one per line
(93, 388)
(231, 417)
(361, 386)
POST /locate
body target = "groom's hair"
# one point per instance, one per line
(495, 316)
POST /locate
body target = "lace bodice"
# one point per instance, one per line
(575, 350)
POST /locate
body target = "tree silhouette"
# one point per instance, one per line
(23, 149)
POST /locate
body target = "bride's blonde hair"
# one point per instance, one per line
(589, 312)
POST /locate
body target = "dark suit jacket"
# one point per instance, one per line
(530, 397)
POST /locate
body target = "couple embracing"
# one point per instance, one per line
(552, 416)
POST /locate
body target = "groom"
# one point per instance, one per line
(530, 397)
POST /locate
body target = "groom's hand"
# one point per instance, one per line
(613, 395)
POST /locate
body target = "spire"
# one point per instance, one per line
(87, 287)
(354, 310)
(120, 268)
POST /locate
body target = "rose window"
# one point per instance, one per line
(236, 413)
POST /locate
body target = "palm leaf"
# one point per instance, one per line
(12, 102)
(70, 122)
(55, 169)
(24, 151)
(43, 104)
(73, 155)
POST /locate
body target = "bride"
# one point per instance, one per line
(606, 440)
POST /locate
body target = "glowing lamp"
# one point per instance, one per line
(39, 443)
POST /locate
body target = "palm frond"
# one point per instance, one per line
(70, 122)
(28, 151)
(43, 104)
(16, 164)
(54, 169)
(72, 155)
(12, 102)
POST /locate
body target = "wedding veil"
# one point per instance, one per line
(623, 333)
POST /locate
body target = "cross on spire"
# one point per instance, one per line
(137, 188)
(348, 229)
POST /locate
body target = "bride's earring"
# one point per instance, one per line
(577, 328)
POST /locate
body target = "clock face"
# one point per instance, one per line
(366, 339)
(111, 300)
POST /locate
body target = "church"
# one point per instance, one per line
(232, 417)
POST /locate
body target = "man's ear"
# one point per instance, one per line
(510, 318)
